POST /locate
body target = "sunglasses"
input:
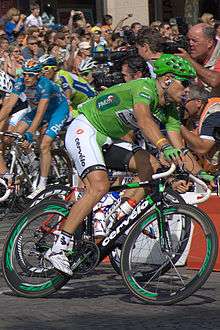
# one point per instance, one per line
(49, 67)
(30, 74)
(32, 43)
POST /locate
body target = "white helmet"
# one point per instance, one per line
(87, 65)
(48, 60)
(6, 82)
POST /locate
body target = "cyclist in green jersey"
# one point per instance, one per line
(110, 115)
(76, 89)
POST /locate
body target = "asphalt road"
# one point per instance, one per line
(101, 301)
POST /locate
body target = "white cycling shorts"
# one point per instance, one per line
(84, 145)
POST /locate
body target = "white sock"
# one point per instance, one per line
(43, 181)
(62, 242)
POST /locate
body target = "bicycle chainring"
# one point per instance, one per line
(85, 258)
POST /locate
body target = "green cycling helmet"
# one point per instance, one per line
(169, 63)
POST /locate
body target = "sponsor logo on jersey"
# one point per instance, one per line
(145, 95)
(81, 156)
(107, 101)
(57, 127)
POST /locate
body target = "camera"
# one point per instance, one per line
(108, 71)
(129, 37)
(106, 79)
(171, 46)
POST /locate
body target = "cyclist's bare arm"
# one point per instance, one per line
(7, 106)
(147, 124)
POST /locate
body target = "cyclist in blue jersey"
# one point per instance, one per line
(49, 110)
(76, 89)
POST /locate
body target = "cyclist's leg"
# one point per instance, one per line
(56, 121)
(45, 160)
(82, 145)
(140, 163)
(124, 156)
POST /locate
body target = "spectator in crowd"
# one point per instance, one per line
(156, 25)
(107, 36)
(204, 53)
(49, 37)
(99, 43)
(166, 31)
(62, 41)
(149, 47)
(107, 23)
(134, 68)
(205, 113)
(88, 28)
(135, 27)
(47, 16)
(3, 51)
(2, 30)
(15, 24)
(4, 45)
(175, 32)
(32, 49)
(14, 61)
(116, 42)
(83, 53)
(76, 20)
(208, 19)
(33, 31)
(34, 19)
(21, 39)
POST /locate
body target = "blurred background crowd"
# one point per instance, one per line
(110, 45)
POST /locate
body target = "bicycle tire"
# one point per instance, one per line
(154, 293)
(14, 274)
(51, 191)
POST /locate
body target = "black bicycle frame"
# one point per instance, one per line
(120, 227)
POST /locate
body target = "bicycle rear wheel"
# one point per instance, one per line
(151, 272)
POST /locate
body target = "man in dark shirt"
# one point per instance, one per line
(32, 50)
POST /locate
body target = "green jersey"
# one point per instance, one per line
(111, 111)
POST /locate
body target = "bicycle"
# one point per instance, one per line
(24, 173)
(65, 192)
(164, 229)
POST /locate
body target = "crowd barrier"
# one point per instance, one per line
(212, 208)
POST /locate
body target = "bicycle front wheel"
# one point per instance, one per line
(150, 262)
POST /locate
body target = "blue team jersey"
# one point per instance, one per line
(43, 89)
